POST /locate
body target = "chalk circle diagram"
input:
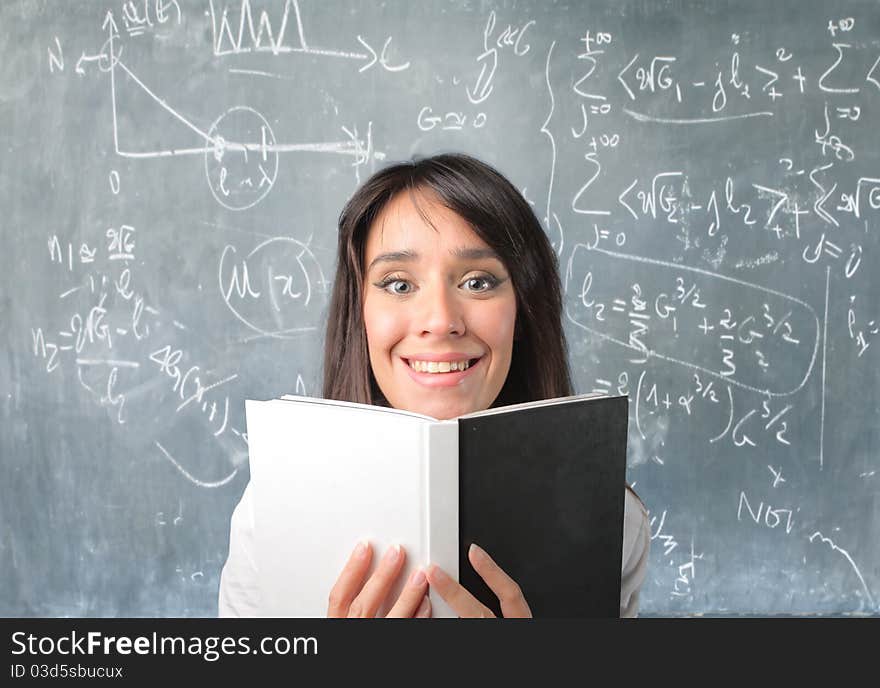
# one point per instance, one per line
(241, 174)
(272, 288)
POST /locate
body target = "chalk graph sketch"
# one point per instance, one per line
(712, 197)
(240, 148)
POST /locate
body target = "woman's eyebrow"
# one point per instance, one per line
(408, 256)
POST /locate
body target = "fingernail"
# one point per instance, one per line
(361, 550)
(392, 554)
(417, 578)
(478, 552)
(424, 607)
(437, 576)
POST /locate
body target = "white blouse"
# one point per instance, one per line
(239, 590)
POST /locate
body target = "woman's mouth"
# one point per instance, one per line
(441, 373)
(434, 367)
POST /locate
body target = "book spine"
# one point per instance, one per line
(441, 500)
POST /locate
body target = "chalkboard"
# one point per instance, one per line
(708, 172)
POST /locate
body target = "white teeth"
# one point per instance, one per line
(439, 366)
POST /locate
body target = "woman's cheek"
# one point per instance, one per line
(384, 331)
(390, 325)
(498, 323)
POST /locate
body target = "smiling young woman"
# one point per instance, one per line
(436, 297)
(446, 301)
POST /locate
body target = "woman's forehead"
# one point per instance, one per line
(420, 225)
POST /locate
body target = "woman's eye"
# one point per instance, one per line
(393, 286)
(481, 284)
(398, 286)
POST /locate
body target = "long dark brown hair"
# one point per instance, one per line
(502, 218)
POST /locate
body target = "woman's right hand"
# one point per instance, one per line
(353, 598)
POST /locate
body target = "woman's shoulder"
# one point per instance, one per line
(632, 495)
(239, 593)
(636, 530)
(636, 548)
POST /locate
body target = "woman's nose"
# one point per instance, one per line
(442, 313)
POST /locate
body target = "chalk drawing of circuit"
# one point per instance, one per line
(241, 172)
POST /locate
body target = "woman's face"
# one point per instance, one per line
(436, 299)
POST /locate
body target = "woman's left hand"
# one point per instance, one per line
(463, 603)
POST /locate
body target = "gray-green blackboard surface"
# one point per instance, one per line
(171, 175)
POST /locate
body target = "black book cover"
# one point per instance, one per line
(542, 491)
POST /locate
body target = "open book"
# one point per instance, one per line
(539, 486)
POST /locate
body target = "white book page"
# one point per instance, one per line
(319, 489)
(369, 408)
